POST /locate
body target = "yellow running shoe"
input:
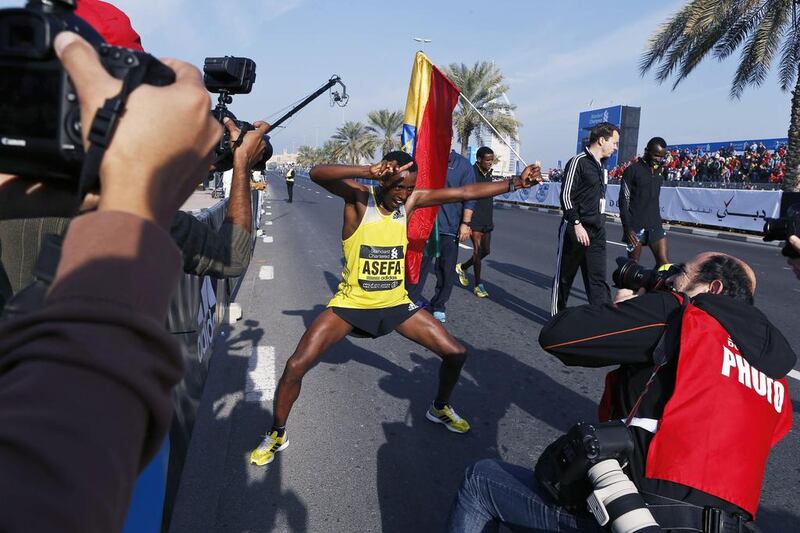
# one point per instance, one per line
(265, 452)
(479, 291)
(447, 416)
(462, 277)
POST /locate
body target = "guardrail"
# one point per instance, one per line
(737, 209)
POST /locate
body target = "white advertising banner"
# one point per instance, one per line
(725, 208)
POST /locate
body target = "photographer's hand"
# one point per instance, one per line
(251, 150)
(164, 140)
(794, 242)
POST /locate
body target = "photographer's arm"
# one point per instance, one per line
(224, 253)
(95, 362)
(600, 335)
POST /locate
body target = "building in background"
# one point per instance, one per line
(505, 162)
(284, 158)
(626, 118)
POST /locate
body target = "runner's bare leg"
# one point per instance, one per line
(326, 330)
(428, 332)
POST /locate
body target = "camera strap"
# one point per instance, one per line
(102, 130)
(667, 347)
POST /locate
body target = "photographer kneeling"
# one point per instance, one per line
(701, 430)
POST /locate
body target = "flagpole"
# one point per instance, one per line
(493, 128)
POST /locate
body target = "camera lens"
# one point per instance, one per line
(776, 229)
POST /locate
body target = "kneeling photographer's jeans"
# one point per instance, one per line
(493, 492)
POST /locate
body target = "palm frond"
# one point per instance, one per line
(760, 48)
(790, 56)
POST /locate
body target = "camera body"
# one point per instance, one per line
(633, 276)
(227, 76)
(563, 466)
(780, 229)
(40, 134)
(581, 470)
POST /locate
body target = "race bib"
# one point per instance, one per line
(381, 268)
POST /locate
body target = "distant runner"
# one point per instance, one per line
(639, 207)
(371, 300)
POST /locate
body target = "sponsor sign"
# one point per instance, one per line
(725, 208)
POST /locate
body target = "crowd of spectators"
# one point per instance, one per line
(754, 165)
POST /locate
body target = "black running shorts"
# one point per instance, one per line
(374, 323)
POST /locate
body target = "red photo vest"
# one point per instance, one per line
(722, 420)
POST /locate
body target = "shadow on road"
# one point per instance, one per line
(421, 464)
(218, 492)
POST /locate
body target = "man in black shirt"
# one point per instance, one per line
(582, 235)
(639, 203)
(482, 224)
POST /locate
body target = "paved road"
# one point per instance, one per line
(362, 456)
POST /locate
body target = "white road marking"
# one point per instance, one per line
(260, 383)
(268, 223)
(464, 246)
(329, 196)
(617, 244)
(794, 374)
(266, 272)
(267, 239)
(268, 213)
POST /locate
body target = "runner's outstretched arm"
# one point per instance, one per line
(429, 197)
(338, 179)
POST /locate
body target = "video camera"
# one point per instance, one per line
(631, 275)
(583, 467)
(40, 130)
(227, 76)
(783, 227)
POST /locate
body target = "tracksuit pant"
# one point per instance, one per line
(591, 260)
(445, 270)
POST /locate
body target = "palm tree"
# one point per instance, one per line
(387, 124)
(353, 143)
(307, 156)
(483, 85)
(718, 28)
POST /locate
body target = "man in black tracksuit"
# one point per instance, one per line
(582, 234)
(639, 206)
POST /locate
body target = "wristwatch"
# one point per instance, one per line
(576, 222)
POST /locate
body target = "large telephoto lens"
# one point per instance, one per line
(777, 229)
(616, 501)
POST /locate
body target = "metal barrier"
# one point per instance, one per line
(197, 310)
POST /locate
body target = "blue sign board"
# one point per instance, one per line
(589, 119)
(739, 146)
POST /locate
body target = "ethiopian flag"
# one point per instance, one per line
(427, 132)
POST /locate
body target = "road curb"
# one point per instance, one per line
(728, 236)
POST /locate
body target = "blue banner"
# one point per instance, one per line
(589, 119)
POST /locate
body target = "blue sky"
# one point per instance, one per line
(557, 55)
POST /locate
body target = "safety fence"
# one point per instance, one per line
(738, 209)
(198, 309)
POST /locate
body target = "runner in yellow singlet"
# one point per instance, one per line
(371, 299)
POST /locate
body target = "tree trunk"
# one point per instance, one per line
(465, 143)
(791, 181)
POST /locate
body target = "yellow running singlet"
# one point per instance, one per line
(374, 261)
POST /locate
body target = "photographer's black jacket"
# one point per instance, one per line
(626, 334)
(582, 189)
